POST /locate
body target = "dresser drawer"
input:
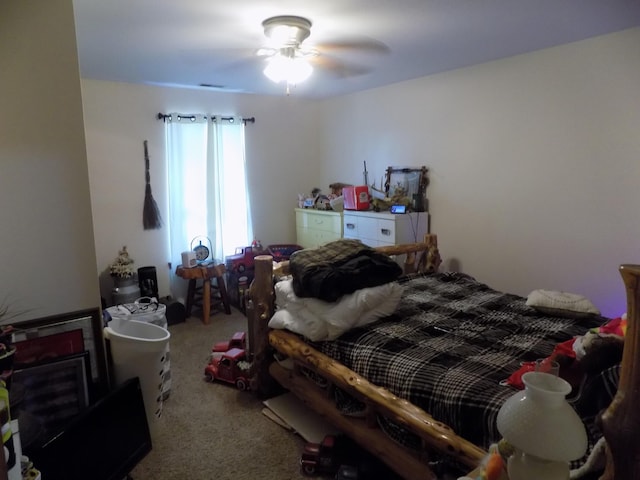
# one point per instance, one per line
(372, 231)
(317, 227)
(386, 231)
(319, 221)
(309, 237)
(377, 229)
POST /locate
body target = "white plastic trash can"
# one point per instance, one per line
(147, 309)
(138, 350)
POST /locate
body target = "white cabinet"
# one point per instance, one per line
(317, 227)
(377, 229)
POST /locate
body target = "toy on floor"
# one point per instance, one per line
(230, 367)
(320, 457)
(338, 455)
(238, 340)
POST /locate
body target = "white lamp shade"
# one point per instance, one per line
(538, 420)
(292, 70)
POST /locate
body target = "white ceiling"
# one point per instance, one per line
(193, 42)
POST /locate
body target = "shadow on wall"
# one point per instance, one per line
(105, 283)
(451, 265)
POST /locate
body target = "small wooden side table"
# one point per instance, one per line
(205, 273)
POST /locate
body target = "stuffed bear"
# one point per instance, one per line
(597, 351)
(592, 353)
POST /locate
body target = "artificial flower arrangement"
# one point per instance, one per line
(122, 266)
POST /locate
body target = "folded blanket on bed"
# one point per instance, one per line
(338, 268)
(319, 320)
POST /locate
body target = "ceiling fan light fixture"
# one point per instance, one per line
(292, 70)
(286, 30)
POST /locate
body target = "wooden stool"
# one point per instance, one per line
(212, 291)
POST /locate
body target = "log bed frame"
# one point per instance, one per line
(620, 422)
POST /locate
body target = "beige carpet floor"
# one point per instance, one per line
(211, 430)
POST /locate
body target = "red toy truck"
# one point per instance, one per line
(282, 252)
(339, 455)
(238, 340)
(226, 369)
(320, 457)
(242, 259)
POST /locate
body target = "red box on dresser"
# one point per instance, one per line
(356, 198)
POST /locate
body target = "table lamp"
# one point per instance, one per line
(543, 428)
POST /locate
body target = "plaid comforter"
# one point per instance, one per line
(448, 346)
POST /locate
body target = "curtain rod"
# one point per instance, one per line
(163, 117)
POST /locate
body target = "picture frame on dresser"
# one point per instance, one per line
(409, 182)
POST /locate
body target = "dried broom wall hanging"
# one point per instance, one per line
(151, 218)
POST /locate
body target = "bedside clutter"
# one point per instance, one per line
(239, 274)
(240, 270)
(237, 285)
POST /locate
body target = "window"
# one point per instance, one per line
(208, 195)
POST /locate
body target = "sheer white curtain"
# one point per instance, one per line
(208, 194)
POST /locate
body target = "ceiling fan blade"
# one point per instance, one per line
(339, 68)
(361, 44)
(215, 56)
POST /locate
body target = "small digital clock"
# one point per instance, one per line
(398, 209)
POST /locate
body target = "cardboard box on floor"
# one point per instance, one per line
(291, 413)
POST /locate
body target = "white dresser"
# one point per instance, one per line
(383, 228)
(317, 227)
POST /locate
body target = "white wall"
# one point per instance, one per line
(534, 162)
(46, 239)
(282, 146)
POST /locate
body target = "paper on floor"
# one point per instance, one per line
(296, 416)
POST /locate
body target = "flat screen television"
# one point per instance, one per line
(104, 442)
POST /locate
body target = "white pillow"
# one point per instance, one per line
(319, 320)
(561, 304)
(298, 320)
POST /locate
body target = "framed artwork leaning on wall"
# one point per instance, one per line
(59, 335)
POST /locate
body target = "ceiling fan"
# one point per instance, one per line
(285, 31)
(288, 60)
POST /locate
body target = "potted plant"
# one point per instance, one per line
(125, 282)
(121, 269)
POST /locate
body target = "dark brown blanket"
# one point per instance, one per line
(338, 268)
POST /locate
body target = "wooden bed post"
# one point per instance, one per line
(260, 308)
(433, 254)
(621, 421)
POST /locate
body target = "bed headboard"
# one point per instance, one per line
(416, 257)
